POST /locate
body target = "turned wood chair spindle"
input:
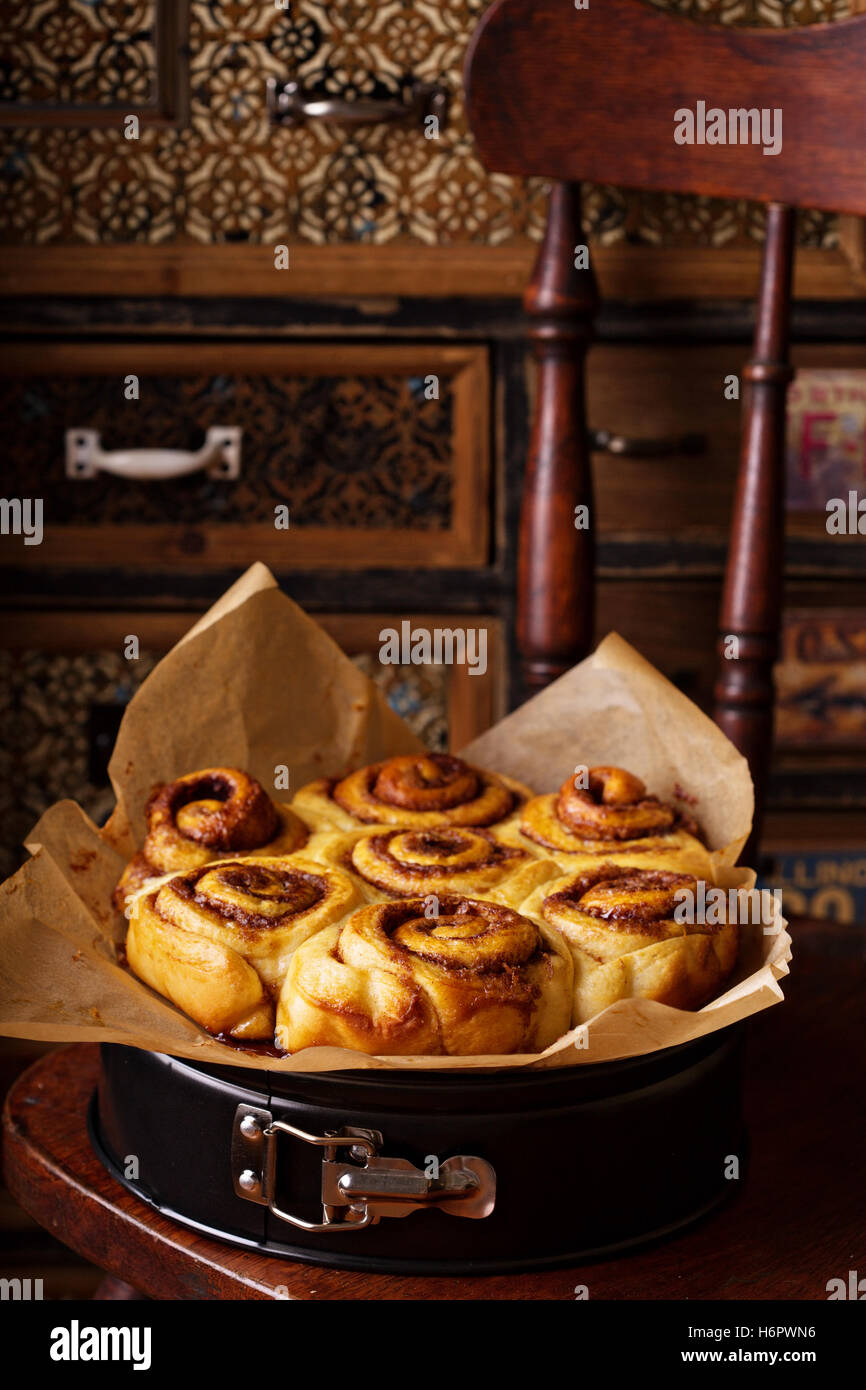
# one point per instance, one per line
(557, 553)
(594, 95)
(752, 596)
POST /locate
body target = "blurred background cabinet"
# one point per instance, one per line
(348, 297)
(151, 248)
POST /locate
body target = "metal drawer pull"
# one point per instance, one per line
(219, 457)
(289, 104)
(358, 1187)
(604, 441)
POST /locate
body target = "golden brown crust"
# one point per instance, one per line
(475, 978)
(395, 863)
(442, 859)
(254, 912)
(612, 806)
(138, 872)
(416, 791)
(213, 814)
(622, 930)
(470, 943)
(214, 985)
(610, 818)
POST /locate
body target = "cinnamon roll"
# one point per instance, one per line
(217, 941)
(478, 978)
(612, 817)
(420, 791)
(444, 859)
(623, 930)
(218, 813)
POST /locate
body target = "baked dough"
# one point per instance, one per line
(217, 813)
(477, 979)
(624, 939)
(612, 819)
(397, 863)
(217, 941)
(436, 907)
(419, 791)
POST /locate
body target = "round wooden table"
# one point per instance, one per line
(797, 1223)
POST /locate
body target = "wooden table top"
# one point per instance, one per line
(797, 1223)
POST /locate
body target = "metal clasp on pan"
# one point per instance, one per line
(359, 1185)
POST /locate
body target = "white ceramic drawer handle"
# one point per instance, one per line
(219, 457)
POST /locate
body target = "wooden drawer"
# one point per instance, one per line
(374, 473)
(672, 389)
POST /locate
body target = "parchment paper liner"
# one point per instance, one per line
(257, 684)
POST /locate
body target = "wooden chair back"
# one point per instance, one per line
(622, 93)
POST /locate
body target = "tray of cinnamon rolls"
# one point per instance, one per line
(415, 984)
(418, 906)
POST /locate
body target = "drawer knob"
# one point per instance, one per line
(219, 457)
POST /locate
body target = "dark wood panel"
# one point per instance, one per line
(627, 273)
(672, 389)
(362, 317)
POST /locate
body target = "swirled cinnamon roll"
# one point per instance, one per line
(217, 941)
(397, 863)
(625, 933)
(612, 817)
(214, 814)
(477, 978)
(425, 790)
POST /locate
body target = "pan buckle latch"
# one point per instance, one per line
(359, 1184)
